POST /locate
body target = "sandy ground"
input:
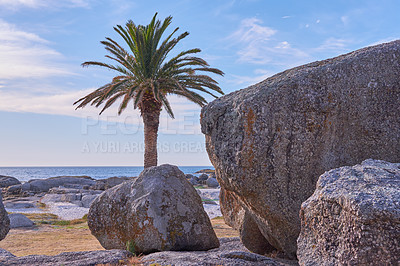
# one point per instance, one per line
(52, 240)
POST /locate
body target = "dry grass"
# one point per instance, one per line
(52, 236)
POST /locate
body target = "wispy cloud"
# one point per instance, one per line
(27, 55)
(334, 44)
(185, 122)
(259, 75)
(259, 45)
(16, 4)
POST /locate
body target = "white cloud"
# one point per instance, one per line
(285, 17)
(16, 4)
(250, 30)
(259, 75)
(27, 55)
(345, 20)
(185, 122)
(334, 44)
(259, 45)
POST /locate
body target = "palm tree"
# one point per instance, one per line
(146, 77)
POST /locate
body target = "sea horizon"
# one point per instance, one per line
(26, 173)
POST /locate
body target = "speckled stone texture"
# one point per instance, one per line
(230, 253)
(231, 209)
(160, 210)
(353, 217)
(4, 220)
(270, 142)
(82, 258)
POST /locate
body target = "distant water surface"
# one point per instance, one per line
(96, 172)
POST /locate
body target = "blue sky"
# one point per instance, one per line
(43, 43)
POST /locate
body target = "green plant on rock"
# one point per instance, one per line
(130, 246)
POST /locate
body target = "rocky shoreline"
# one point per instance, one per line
(69, 197)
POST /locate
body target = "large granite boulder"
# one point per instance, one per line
(353, 217)
(6, 181)
(270, 142)
(158, 211)
(4, 220)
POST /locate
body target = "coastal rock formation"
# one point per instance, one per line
(269, 143)
(4, 220)
(157, 211)
(37, 186)
(83, 258)
(353, 217)
(19, 220)
(6, 181)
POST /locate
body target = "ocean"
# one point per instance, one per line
(96, 172)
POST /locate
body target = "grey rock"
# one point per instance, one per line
(231, 252)
(189, 176)
(231, 209)
(251, 236)
(4, 220)
(5, 255)
(271, 141)
(51, 198)
(194, 180)
(14, 190)
(63, 190)
(157, 211)
(353, 217)
(44, 185)
(18, 204)
(212, 182)
(203, 177)
(87, 200)
(81, 258)
(110, 182)
(19, 220)
(70, 197)
(6, 181)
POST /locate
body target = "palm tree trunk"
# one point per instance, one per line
(151, 120)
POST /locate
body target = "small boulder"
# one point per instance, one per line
(19, 220)
(4, 220)
(6, 181)
(353, 217)
(87, 200)
(158, 211)
(212, 182)
(194, 180)
(203, 177)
